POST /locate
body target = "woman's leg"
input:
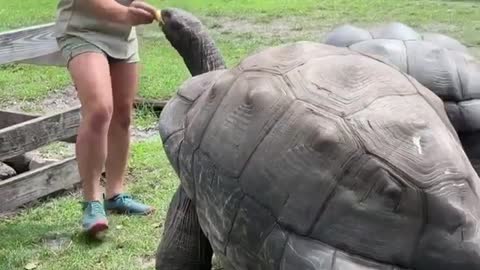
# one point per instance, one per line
(91, 76)
(124, 88)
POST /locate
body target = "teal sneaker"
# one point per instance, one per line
(94, 217)
(125, 204)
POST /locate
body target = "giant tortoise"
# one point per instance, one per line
(310, 156)
(439, 62)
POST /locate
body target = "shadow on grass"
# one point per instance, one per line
(24, 241)
(86, 240)
(33, 233)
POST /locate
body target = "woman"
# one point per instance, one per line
(98, 40)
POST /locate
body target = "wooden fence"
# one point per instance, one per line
(21, 132)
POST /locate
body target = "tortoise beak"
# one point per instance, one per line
(164, 16)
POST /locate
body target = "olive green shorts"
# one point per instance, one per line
(71, 46)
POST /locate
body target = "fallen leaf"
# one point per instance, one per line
(31, 266)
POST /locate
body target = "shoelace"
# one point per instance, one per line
(95, 208)
(127, 199)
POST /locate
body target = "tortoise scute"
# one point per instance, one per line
(434, 67)
(223, 192)
(169, 121)
(321, 256)
(347, 35)
(241, 122)
(396, 30)
(172, 148)
(335, 84)
(468, 71)
(444, 41)
(391, 51)
(361, 217)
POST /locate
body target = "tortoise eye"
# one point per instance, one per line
(166, 14)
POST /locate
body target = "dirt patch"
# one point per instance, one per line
(278, 29)
(57, 242)
(57, 102)
(274, 28)
(146, 262)
(143, 134)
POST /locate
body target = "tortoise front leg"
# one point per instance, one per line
(184, 246)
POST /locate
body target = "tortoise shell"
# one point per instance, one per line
(310, 156)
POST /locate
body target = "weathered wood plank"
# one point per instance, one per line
(30, 135)
(53, 59)
(8, 118)
(27, 43)
(32, 185)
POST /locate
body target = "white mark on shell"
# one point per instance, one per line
(416, 142)
(461, 185)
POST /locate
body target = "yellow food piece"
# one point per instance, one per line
(158, 16)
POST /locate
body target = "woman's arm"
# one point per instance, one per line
(137, 13)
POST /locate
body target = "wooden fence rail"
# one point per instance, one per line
(33, 45)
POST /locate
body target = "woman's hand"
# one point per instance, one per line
(140, 12)
(137, 13)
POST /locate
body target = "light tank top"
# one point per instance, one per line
(74, 19)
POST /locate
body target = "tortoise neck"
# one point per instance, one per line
(200, 53)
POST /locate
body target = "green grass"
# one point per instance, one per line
(30, 83)
(28, 237)
(25, 237)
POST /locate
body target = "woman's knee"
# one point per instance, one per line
(98, 117)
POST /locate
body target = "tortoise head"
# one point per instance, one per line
(188, 36)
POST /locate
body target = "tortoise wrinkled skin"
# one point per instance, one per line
(439, 62)
(310, 156)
